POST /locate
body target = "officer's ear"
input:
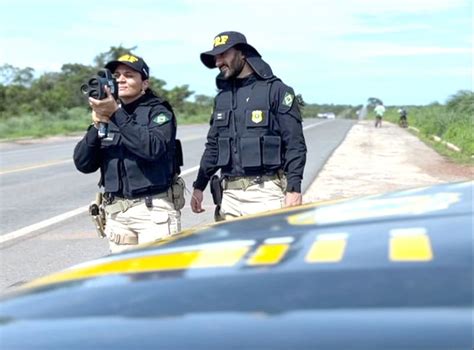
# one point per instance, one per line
(145, 84)
(241, 50)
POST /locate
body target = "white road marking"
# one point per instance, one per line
(37, 166)
(56, 219)
(40, 225)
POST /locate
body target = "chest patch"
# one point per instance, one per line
(257, 116)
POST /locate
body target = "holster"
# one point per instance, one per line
(177, 190)
(97, 213)
(216, 189)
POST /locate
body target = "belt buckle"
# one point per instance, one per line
(258, 180)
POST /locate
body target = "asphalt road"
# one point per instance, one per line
(43, 198)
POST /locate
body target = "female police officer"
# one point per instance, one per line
(256, 136)
(137, 159)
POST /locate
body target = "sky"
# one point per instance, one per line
(405, 52)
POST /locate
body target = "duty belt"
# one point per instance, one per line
(122, 204)
(123, 239)
(243, 182)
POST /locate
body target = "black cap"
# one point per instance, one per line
(134, 62)
(223, 42)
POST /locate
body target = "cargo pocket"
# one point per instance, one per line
(174, 222)
(223, 144)
(250, 152)
(162, 222)
(271, 150)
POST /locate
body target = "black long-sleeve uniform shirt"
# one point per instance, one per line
(137, 157)
(288, 125)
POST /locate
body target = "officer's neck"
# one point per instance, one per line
(127, 101)
(131, 104)
(245, 72)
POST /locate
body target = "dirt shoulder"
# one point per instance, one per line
(371, 161)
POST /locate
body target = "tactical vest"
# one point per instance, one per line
(123, 171)
(248, 138)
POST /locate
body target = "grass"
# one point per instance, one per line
(43, 125)
(67, 122)
(454, 127)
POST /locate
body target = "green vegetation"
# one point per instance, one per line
(52, 104)
(453, 122)
(44, 124)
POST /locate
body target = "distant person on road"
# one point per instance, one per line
(137, 159)
(379, 112)
(255, 137)
(403, 121)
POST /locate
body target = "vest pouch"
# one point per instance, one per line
(111, 175)
(271, 150)
(221, 118)
(257, 118)
(223, 144)
(250, 152)
(179, 153)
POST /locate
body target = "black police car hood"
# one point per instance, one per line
(261, 68)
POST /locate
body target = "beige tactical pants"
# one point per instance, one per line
(256, 198)
(140, 224)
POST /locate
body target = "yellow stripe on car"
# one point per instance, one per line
(268, 254)
(411, 244)
(327, 248)
(408, 244)
(218, 256)
(271, 252)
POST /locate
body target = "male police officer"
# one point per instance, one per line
(137, 160)
(255, 137)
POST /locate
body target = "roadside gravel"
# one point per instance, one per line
(371, 161)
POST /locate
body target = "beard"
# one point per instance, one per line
(233, 70)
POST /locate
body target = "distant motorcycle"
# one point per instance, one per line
(403, 121)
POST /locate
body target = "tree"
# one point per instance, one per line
(113, 53)
(373, 101)
(203, 100)
(72, 76)
(177, 96)
(13, 75)
(157, 85)
(462, 101)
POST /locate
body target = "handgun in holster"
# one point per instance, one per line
(97, 213)
(216, 191)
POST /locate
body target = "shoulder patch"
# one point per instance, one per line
(288, 99)
(161, 118)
